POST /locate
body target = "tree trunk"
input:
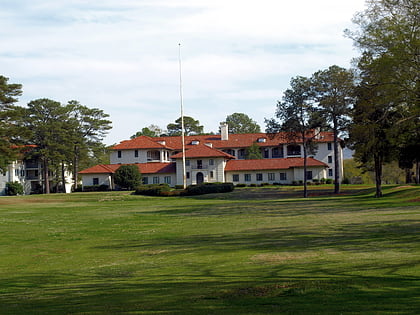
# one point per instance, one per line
(75, 166)
(417, 180)
(63, 176)
(305, 185)
(378, 175)
(336, 163)
(408, 176)
(46, 178)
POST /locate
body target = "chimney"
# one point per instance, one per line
(224, 131)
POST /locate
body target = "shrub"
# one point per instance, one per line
(240, 185)
(209, 188)
(95, 188)
(127, 176)
(14, 189)
(345, 181)
(152, 190)
(328, 181)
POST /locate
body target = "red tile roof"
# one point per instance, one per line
(198, 151)
(143, 142)
(144, 168)
(270, 164)
(234, 141)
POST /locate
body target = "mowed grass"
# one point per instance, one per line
(252, 251)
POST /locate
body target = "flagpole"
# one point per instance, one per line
(184, 171)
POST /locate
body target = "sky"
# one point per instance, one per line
(122, 56)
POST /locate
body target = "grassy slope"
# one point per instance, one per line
(254, 251)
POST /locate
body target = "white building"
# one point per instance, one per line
(218, 158)
(28, 172)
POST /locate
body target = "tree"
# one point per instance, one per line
(191, 127)
(50, 130)
(298, 119)
(88, 128)
(8, 131)
(253, 152)
(127, 176)
(388, 35)
(151, 131)
(333, 91)
(241, 123)
(374, 117)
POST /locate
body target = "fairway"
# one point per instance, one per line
(252, 251)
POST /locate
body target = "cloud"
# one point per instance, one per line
(122, 56)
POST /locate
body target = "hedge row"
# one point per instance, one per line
(152, 190)
(95, 188)
(209, 188)
(165, 190)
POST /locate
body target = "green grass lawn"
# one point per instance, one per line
(252, 251)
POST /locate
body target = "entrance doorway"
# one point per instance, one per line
(200, 178)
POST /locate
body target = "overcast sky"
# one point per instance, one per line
(122, 55)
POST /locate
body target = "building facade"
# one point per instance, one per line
(218, 158)
(28, 171)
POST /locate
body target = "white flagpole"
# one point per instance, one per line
(184, 171)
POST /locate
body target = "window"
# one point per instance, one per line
(277, 152)
(235, 177)
(200, 164)
(211, 162)
(247, 177)
(156, 180)
(16, 172)
(329, 159)
(187, 162)
(153, 155)
(145, 180)
(188, 175)
(95, 181)
(241, 154)
(266, 153)
(211, 174)
(271, 176)
(119, 154)
(229, 151)
(330, 172)
(259, 177)
(283, 176)
(293, 149)
(136, 153)
(22, 173)
(308, 175)
(329, 144)
(167, 180)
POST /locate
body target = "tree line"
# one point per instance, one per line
(61, 136)
(376, 103)
(237, 123)
(374, 106)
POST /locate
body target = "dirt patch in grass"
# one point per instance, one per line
(270, 258)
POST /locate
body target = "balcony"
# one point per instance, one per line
(30, 164)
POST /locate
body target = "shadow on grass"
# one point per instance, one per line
(363, 237)
(76, 294)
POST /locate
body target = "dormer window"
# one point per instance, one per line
(195, 142)
(261, 140)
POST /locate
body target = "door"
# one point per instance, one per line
(200, 178)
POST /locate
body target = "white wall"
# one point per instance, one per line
(103, 179)
(160, 178)
(295, 174)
